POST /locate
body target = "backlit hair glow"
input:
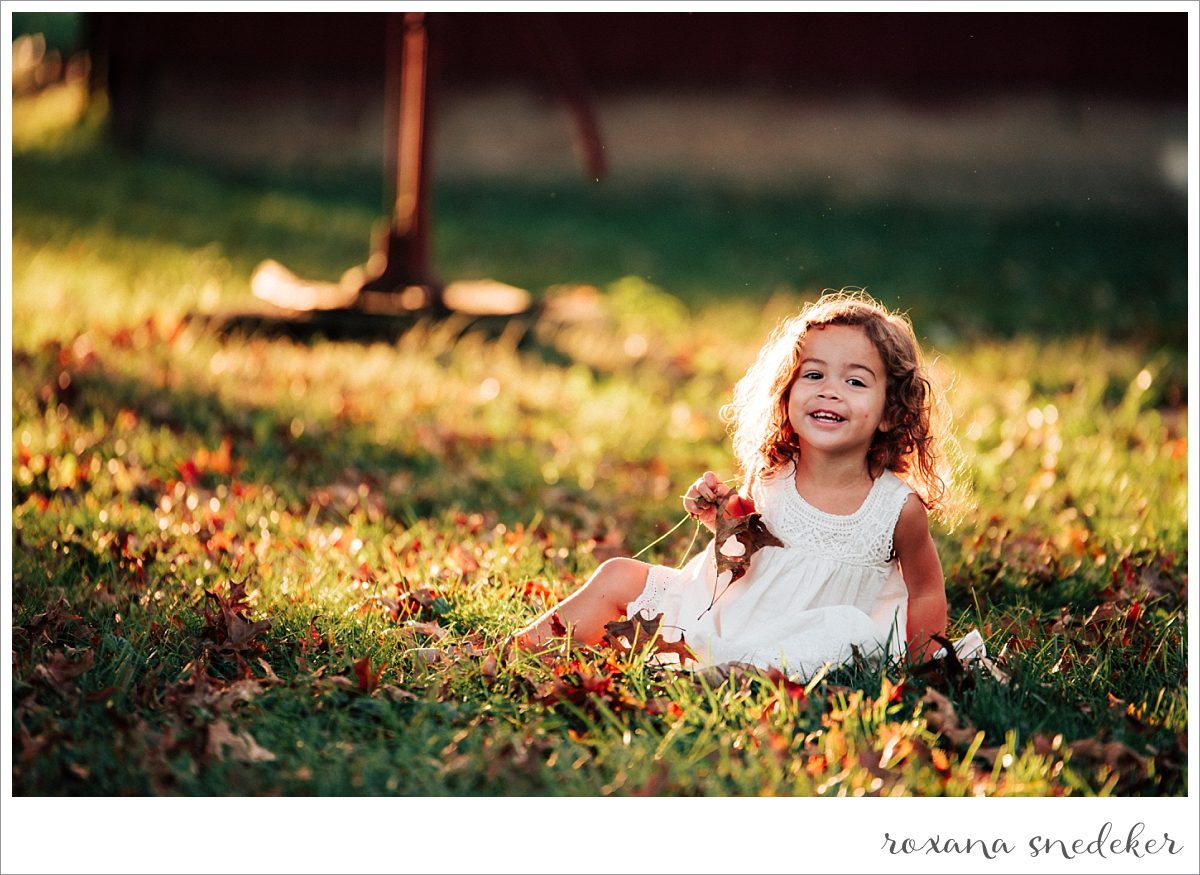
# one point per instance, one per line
(763, 439)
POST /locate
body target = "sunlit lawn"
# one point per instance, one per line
(394, 509)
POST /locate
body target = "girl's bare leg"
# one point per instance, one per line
(600, 600)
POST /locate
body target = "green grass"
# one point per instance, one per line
(155, 459)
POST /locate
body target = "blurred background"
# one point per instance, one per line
(992, 172)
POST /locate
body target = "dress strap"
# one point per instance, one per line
(895, 494)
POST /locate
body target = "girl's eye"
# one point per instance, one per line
(812, 375)
(855, 381)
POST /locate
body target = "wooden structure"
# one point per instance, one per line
(388, 62)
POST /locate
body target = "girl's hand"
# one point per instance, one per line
(702, 498)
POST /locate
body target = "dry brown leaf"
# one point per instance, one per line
(59, 672)
(51, 621)
(1116, 755)
(239, 691)
(870, 760)
(231, 628)
(396, 694)
(271, 677)
(425, 657)
(738, 538)
(242, 632)
(433, 630)
(240, 746)
(632, 633)
(941, 717)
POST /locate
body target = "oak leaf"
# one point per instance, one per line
(738, 538)
(231, 628)
(630, 634)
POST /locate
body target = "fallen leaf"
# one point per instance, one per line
(242, 632)
(239, 691)
(541, 590)
(631, 634)
(59, 672)
(433, 630)
(396, 694)
(425, 657)
(715, 675)
(410, 605)
(1116, 755)
(794, 690)
(231, 629)
(367, 681)
(271, 677)
(941, 718)
(50, 622)
(240, 746)
(219, 462)
(870, 760)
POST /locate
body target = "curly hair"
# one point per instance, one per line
(764, 440)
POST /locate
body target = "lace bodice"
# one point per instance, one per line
(860, 538)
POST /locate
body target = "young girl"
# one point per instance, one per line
(832, 432)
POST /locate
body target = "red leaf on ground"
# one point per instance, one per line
(367, 680)
(539, 589)
(414, 604)
(794, 690)
(1131, 619)
(52, 621)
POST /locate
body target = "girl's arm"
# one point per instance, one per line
(923, 575)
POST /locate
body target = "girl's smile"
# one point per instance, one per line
(836, 403)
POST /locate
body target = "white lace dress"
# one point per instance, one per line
(835, 583)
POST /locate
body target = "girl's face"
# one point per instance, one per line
(836, 402)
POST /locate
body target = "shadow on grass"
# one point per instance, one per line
(961, 273)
